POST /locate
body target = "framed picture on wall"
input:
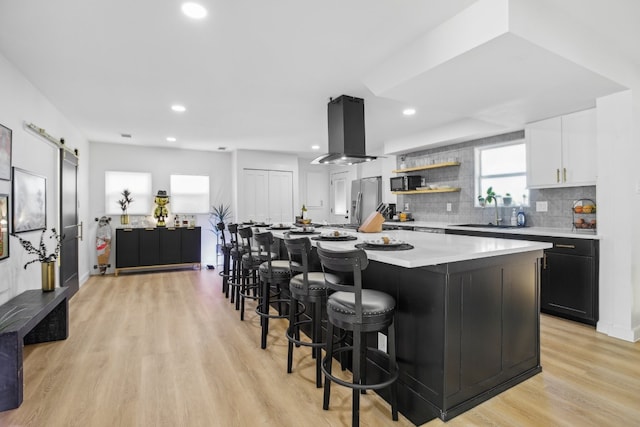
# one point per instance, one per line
(5, 153)
(4, 226)
(29, 201)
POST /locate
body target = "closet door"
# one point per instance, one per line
(256, 195)
(280, 197)
(268, 196)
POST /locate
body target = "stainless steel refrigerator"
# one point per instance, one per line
(366, 195)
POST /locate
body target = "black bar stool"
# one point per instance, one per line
(307, 287)
(360, 311)
(248, 285)
(274, 273)
(234, 281)
(226, 259)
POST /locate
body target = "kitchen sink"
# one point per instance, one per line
(489, 225)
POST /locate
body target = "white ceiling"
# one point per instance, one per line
(258, 74)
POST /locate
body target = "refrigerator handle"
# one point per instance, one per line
(358, 212)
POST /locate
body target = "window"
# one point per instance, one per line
(503, 167)
(138, 183)
(189, 194)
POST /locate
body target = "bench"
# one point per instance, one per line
(40, 317)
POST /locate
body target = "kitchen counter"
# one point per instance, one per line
(467, 317)
(531, 231)
(430, 248)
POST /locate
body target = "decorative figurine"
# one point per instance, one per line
(161, 211)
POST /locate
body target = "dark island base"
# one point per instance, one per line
(466, 331)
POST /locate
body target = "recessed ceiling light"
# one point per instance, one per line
(178, 108)
(194, 10)
(315, 147)
(409, 111)
(171, 139)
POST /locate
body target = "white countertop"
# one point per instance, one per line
(531, 231)
(429, 248)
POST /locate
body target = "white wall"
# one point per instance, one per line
(161, 163)
(21, 102)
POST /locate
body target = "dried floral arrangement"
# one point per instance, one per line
(41, 249)
(126, 200)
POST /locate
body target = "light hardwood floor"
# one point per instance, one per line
(167, 349)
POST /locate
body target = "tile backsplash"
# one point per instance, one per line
(433, 207)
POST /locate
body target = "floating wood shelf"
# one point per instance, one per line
(439, 190)
(425, 167)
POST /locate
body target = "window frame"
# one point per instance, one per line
(479, 177)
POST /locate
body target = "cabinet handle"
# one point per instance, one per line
(564, 171)
(557, 175)
(80, 226)
(126, 230)
(558, 245)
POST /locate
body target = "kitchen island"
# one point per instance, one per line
(467, 317)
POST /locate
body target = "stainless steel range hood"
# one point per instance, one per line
(346, 132)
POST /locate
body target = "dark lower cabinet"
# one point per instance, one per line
(568, 281)
(142, 248)
(149, 247)
(568, 275)
(191, 245)
(127, 247)
(170, 245)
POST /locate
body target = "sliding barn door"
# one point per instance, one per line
(70, 227)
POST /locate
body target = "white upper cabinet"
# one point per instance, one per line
(561, 151)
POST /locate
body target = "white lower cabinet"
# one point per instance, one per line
(561, 151)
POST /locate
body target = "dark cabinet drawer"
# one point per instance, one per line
(573, 246)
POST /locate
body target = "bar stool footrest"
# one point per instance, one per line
(329, 358)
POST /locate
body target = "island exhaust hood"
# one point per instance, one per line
(346, 132)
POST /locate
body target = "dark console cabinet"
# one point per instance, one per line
(568, 275)
(191, 245)
(127, 247)
(145, 248)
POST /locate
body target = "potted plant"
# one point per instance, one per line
(47, 260)
(218, 213)
(506, 200)
(481, 201)
(124, 204)
(492, 197)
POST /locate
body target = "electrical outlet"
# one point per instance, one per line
(406, 207)
(382, 342)
(448, 207)
(542, 206)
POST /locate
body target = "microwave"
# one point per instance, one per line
(406, 183)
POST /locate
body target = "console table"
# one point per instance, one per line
(151, 248)
(42, 317)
